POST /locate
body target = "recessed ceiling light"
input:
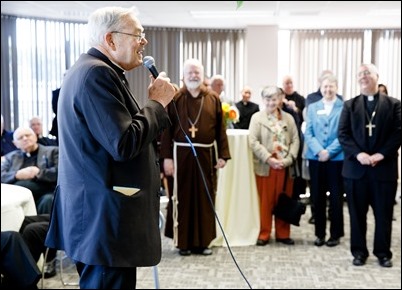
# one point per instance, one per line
(231, 14)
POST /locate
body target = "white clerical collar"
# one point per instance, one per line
(370, 98)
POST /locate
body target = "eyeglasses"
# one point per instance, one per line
(364, 73)
(138, 36)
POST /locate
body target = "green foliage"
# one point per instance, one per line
(239, 4)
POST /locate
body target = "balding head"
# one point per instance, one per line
(25, 139)
(287, 85)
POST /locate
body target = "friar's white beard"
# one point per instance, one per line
(193, 84)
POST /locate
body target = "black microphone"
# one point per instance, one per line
(149, 63)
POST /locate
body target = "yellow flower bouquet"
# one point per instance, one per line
(230, 114)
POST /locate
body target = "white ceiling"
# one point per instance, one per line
(224, 14)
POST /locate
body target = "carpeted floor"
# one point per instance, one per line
(302, 266)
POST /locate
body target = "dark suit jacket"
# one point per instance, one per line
(353, 136)
(47, 162)
(106, 140)
(7, 144)
(55, 100)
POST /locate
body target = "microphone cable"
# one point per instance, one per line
(208, 194)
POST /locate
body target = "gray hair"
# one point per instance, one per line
(216, 77)
(193, 62)
(107, 19)
(371, 67)
(331, 78)
(270, 91)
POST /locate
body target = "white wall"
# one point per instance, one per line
(261, 58)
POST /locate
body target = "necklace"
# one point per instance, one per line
(193, 129)
(370, 126)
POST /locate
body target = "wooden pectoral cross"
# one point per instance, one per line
(193, 129)
(370, 127)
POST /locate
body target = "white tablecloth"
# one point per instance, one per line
(236, 202)
(16, 203)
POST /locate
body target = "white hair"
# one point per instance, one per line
(194, 62)
(17, 131)
(107, 19)
(216, 77)
(371, 67)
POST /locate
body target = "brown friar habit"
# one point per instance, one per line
(193, 217)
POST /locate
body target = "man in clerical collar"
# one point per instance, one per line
(32, 165)
(370, 136)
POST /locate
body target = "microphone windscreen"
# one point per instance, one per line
(148, 61)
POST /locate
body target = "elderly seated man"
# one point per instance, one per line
(33, 166)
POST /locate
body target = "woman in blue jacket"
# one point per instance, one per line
(325, 156)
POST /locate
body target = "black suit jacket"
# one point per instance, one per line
(106, 141)
(353, 136)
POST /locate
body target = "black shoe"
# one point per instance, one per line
(262, 242)
(50, 269)
(332, 242)
(359, 261)
(287, 241)
(385, 262)
(319, 242)
(311, 220)
(185, 252)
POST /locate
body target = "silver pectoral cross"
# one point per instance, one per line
(370, 127)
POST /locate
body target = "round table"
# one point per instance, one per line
(236, 203)
(16, 203)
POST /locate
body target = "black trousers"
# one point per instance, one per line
(327, 177)
(17, 265)
(103, 277)
(380, 195)
(33, 231)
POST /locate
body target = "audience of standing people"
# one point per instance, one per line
(274, 140)
(370, 135)
(196, 114)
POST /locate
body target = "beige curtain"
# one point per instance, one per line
(220, 51)
(387, 56)
(317, 50)
(164, 47)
